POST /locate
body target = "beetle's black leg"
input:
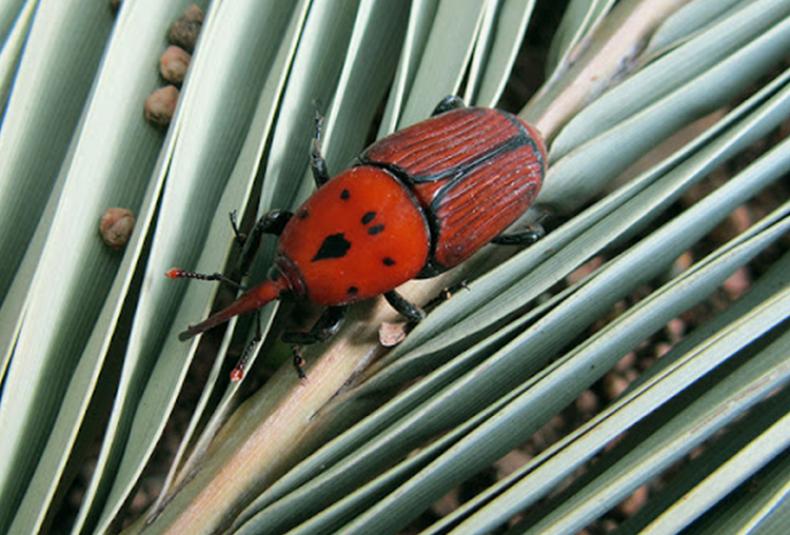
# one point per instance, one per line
(406, 308)
(522, 237)
(237, 374)
(234, 224)
(272, 222)
(299, 362)
(450, 102)
(326, 326)
(317, 162)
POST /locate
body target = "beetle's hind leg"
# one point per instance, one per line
(522, 237)
(406, 308)
(317, 161)
(450, 102)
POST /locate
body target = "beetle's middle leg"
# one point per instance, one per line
(317, 161)
(450, 102)
(406, 308)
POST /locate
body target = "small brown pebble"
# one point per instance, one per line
(738, 221)
(661, 349)
(584, 270)
(115, 227)
(614, 385)
(634, 502)
(614, 442)
(511, 462)
(391, 334)
(447, 503)
(174, 63)
(675, 329)
(741, 219)
(646, 362)
(737, 284)
(696, 452)
(161, 104)
(625, 363)
(683, 262)
(140, 500)
(587, 403)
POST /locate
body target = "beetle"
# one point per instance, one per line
(414, 204)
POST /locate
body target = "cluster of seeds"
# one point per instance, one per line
(116, 224)
(173, 65)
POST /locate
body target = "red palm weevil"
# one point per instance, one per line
(414, 204)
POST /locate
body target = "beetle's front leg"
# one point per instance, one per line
(450, 102)
(326, 326)
(522, 237)
(317, 161)
(272, 222)
(406, 308)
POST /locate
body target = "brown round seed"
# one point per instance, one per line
(160, 105)
(193, 13)
(174, 63)
(115, 227)
(184, 31)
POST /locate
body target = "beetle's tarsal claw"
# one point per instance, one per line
(299, 363)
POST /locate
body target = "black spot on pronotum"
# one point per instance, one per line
(345, 195)
(368, 217)
(375, 229)
(352, 290)
(388, 261)
(303, 213)
(334, 246)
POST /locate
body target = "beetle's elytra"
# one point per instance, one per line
(418, 202)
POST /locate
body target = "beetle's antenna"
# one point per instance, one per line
(177, 273)
(251, 300)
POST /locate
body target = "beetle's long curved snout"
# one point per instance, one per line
(250, 300)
